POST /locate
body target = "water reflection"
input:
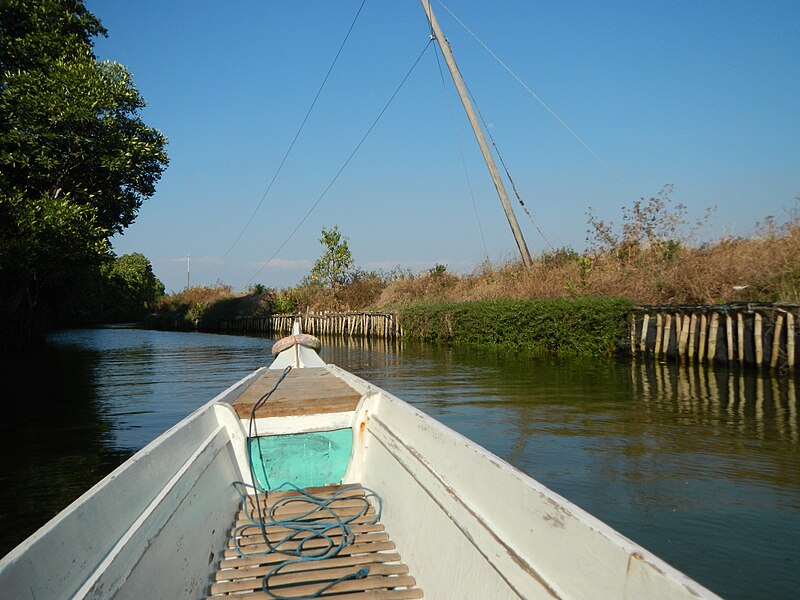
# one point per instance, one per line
(700, 466)
(54, 437)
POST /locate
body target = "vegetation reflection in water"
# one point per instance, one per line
(702, 467)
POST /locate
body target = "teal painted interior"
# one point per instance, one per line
(304, 459)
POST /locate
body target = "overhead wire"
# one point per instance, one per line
(505, 168)
(344, 165)
(533, 94)
(294, 140)
(458, 143)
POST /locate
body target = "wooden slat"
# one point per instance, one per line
(350, 585)
(407, 594)
(277, 532)
(302, 392)
(363, 538)
(387, 578)
(307, 577)
(341, 561)
(320, 514)
(322, 491)
(230, 563)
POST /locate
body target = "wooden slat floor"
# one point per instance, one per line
(388, 578)
(307, 391)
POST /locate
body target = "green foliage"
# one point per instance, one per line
(76, 160)
(438, 270)
(258, 288)
(132, 289)
(336, 263)
(187, 309)
(581, 326)
(285, 303)
(559, 256)
(43, 239)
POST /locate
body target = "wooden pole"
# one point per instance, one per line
(729, 331)
(692, 334)
(776, 341)
(758, 335)
(667, 331)
(645, 326)
(685, 321)
(712, 337)
(444, 45)
(740, 336)
(659, 333)
(701, 350)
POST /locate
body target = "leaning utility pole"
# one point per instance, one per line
(476, 129)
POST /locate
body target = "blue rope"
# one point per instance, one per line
(302, 531)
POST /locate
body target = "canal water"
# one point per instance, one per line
(701, 467)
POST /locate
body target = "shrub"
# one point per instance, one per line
(583, 327)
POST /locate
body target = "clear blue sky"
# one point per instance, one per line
(701, 95)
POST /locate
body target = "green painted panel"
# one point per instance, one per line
(304, 459)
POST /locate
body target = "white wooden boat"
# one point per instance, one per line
(455, 520)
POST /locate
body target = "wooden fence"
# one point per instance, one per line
(763, 335)
(345, 324)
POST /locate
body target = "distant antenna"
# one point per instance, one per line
(188, 270)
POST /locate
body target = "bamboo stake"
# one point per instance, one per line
(633, 335)
(758, 334)
(684, 335)
(645, 326)
(667, 331)
(776, 341)
(790, 340)
(701, 351)
(729, 328)
(659, 333)
(692, 335)
(740, 338)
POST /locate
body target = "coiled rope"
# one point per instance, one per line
(300, 543)
(319, 522)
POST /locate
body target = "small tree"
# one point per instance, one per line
(335, 265)
(132, 287)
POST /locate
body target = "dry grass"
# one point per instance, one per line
(765, 268)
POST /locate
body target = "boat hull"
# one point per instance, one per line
(467, 524)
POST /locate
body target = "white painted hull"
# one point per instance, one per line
(466, 523)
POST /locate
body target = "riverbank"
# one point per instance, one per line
(564, 327)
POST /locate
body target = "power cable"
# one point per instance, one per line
(460, 148)
(505, 168)
(342, 168)
(607, 166)
(294, 140)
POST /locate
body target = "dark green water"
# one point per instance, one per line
(700, 467)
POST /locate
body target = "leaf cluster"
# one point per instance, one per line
(76, 159)
(577, 327)
(335, 266)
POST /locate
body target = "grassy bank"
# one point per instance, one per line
(576, 327)
(201, 308)
(566, 302)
